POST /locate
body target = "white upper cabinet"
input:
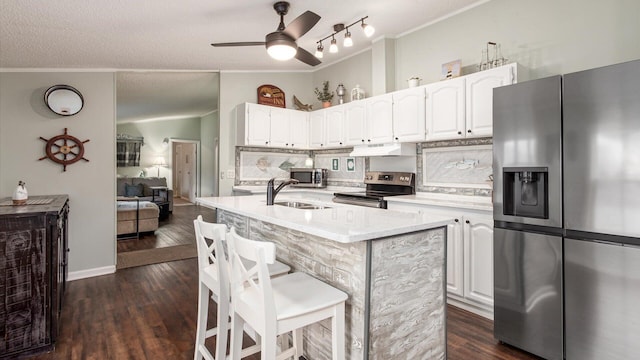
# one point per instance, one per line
(355, 127)
(334, 125)
(379, 119)
(445, 109)
(409, 115)
(463, 107)
(317, 129)
(254, 124)
(479, 101)
(261, 125)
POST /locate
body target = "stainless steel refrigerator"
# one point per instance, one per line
(567, 214)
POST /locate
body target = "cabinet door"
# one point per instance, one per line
(317, 127)
(445, 110)
(380, 119)
(279, 129)
(455, 257)
(298, 129)
(409, 115)
(258, 125)
(334, 123)
(355, 123)
(479, 98)
(478, 244)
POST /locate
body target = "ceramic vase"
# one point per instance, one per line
(20, 196)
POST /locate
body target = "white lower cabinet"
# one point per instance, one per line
(469, 255)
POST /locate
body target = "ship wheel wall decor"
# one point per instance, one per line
(64, 149)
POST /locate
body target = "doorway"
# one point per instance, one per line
(186, 162)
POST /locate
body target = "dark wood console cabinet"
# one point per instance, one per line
(33, 273)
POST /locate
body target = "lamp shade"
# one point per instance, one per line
(159, 161)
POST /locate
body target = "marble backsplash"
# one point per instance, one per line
(256, 165)
(460, 167)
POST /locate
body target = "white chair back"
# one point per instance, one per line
(245, 281)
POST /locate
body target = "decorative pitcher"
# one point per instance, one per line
(20, 196)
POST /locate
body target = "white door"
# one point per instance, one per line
(379, 122)
(445, 110)
(478, 238)
(188, 189)
(178, 168)
(408, 115)
(455, 257)
(479, 98)
(354, 128)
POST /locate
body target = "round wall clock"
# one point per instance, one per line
(64, 100)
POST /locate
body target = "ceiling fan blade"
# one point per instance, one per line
(245, 43)
(307, 57)
(300, 25)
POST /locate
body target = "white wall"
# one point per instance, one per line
(209, 136)
(240, 87)
(24, 118)
(352, 71)
(154, 132)
(547, 36)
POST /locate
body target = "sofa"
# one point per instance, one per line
(140, 187)
(135, 217)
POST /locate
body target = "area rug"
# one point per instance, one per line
(158, 255)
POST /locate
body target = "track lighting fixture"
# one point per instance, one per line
(333, 48)
(348, 41)
(319, 50)
(368, 29)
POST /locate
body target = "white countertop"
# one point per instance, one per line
(262, 189)
(338, 222)
(482, 203)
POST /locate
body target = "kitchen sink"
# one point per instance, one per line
(300, 205)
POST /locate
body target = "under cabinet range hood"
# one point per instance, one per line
(392, 149)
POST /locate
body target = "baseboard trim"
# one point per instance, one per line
(476, 309)
(83, 274)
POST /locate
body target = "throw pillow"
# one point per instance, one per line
(132, 190)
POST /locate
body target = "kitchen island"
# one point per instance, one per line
(391, 264)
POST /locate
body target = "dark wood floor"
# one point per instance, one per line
(176, 229)
(149, 312)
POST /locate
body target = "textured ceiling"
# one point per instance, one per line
(175, 35)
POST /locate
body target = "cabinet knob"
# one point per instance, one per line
(340, 142)
(266, 143)
(459, 132)
(456, 220)
(292, 144)
(369, 140)
(287, 144)
(362, 140)
(469, 131)
(467, 221)
(396, 138)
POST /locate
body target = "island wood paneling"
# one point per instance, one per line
(405, 270)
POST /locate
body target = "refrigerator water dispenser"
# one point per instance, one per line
(526, 192)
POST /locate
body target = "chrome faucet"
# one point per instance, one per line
(271, 192)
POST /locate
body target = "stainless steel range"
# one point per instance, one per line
(380, 184)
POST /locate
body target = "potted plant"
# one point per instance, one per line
(325, 96)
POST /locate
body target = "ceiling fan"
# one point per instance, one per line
(281, 44)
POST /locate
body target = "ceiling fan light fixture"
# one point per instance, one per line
(282, 52)
(280, 46)
(333, 48)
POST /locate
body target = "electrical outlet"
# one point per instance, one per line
(221, 174)
(231, 174)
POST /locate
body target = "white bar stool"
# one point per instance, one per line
(276, 306)
(213, 275)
